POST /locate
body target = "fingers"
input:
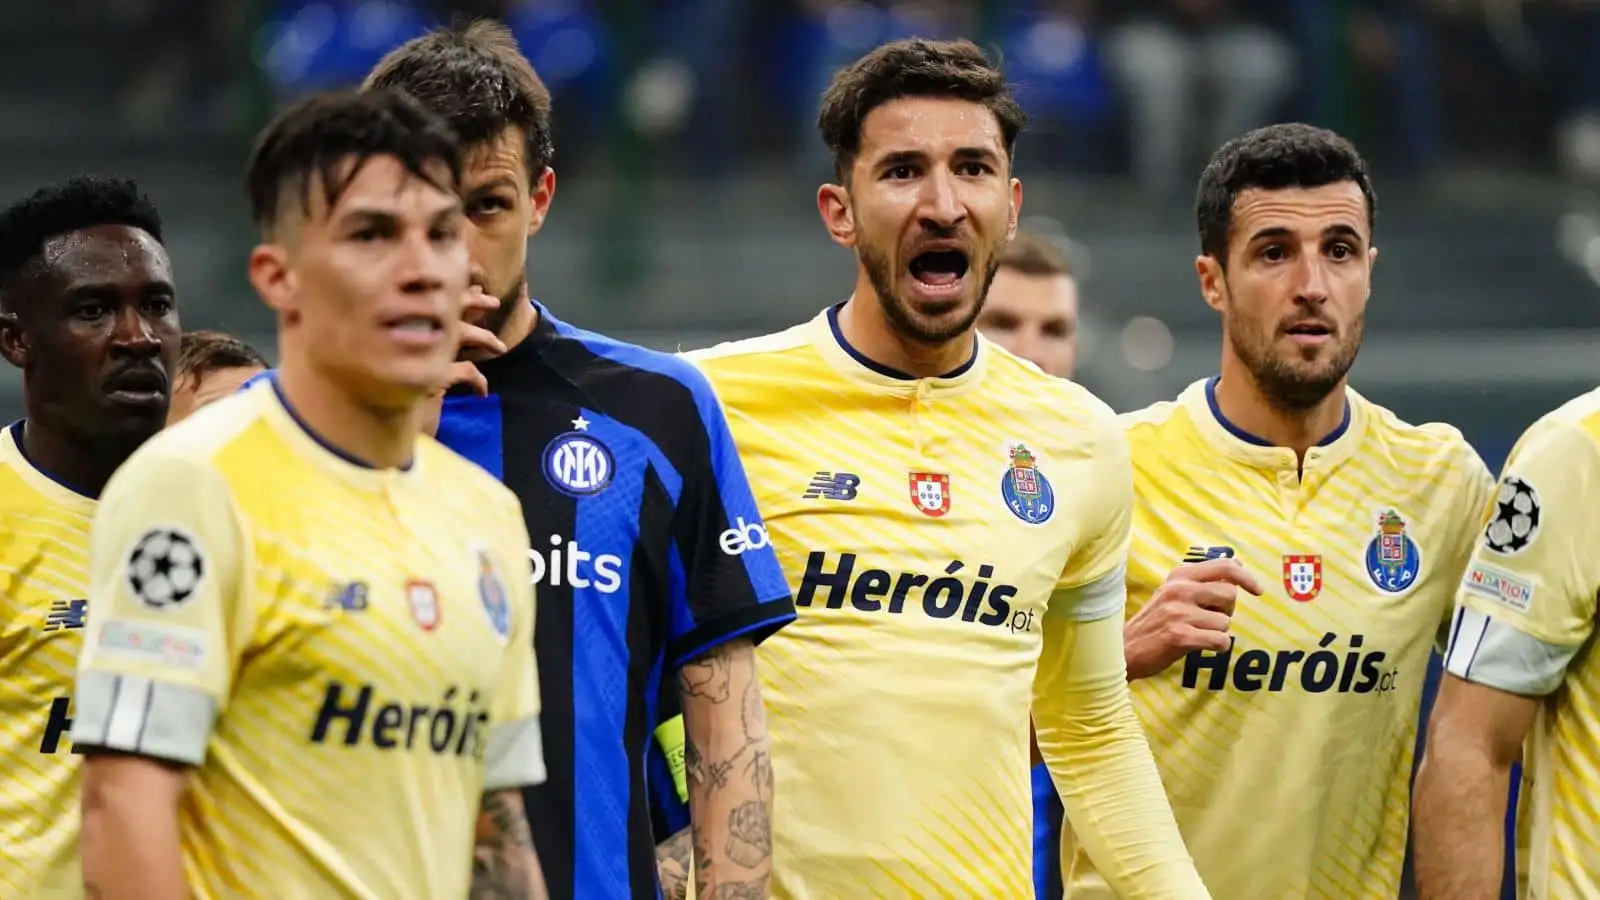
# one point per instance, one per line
(478, 298)
(468, 374)
(1210, 621)
(1206, 639)
(1228, 571)
(475, 338)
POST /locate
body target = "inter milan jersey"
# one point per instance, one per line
(647, 552)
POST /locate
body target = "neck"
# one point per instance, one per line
(869, 331)
(1243, 403)
(85, 465)
(523, 319)
(384, 439)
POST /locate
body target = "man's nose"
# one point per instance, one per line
(133, 333)
(941, 206)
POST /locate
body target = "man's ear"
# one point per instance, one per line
(838, 216)
(13, 340)
(544, 191)
(273, 279)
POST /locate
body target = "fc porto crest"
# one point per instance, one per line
(930, 493)
(1024, 488)
(1393, 559)
(1302, 576)
(577, 463)
(492, 593)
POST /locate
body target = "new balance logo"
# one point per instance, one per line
(1201, 554)
(832, 486)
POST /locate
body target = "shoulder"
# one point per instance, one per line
(1057, 401)
(196, 443)
(448, 475)
(734, 355)
(640, 379)
(1143, 423)
(1568, 435)
(1435, 447)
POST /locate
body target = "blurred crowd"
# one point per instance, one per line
(1141, 88)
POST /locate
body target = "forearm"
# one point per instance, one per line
(729, 769)
(504, 865)
(1102, 766)
(129, 840)
(1459, 815)
(675, 864)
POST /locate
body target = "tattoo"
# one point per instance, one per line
(749, 837)
(504, 865)
(694, 767)
(707, 677)
(729, 771)
(754, 889)
(674, 862)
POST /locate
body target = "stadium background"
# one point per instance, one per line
(688, 162)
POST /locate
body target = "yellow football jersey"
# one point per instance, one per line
(934, 531)
(343, 654)
(1525, 623)
(1288, 757)
(44, 581)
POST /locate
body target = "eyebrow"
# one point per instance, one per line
(494, 184)
(1279, 231)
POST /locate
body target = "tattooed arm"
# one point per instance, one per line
(729, 769)
(675, 864)
(504, 865)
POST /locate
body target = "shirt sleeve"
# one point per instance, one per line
(1101, 763)
(1527, 602)
(727, 582)
(515, 754)
(168, 611)
(1094, 583)
(1472, 517)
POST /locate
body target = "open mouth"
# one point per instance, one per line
(415, 329)
(938, 269)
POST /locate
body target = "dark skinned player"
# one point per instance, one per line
(88, 313)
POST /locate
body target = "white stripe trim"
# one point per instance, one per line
(129, 711)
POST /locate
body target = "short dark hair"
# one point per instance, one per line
(474, 77)
(318, 138)
(204, 352)
(1031, 254)
(72, 205)
(1274, 158)
(912, 68)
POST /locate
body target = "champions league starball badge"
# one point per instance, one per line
(1025, 490)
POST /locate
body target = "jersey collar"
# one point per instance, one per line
(316, 449)
(855, 365)
(46, 483)
(1200, 399)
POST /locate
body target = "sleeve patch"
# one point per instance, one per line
(1514, 520)
(1498, 585)
(166, 645)
(165, 568)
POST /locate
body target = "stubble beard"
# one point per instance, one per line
(902, 315)
(1286, 386)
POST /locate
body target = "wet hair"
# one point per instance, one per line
(326, 139)
(912, 68)
(84, 202)
(1273, 158)
(475, 78)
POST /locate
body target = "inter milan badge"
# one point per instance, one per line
(492, 592)
(1025, 489)
(577, 463)
(930, 493)
(1393, 559)
(1302, 576)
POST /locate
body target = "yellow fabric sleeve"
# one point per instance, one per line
(1102, 766)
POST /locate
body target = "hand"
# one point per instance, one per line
(1190, 611)
(476, 340)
